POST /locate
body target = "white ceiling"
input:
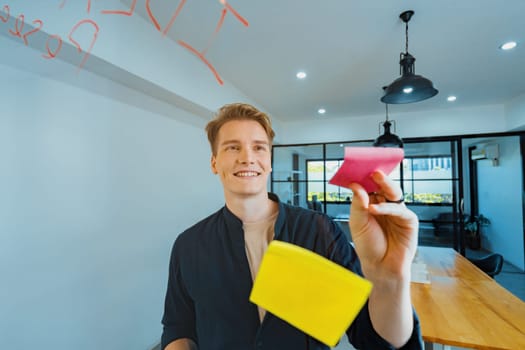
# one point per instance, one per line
(350, 49)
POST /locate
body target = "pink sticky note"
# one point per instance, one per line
(360, 162)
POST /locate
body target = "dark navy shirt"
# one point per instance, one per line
(210, 282)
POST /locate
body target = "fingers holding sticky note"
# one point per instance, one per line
(360, 162)
(310, 292)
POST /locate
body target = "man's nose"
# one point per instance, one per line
(245, 156)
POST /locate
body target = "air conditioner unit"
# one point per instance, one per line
(486, 151)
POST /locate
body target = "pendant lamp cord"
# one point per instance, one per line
(406, 36)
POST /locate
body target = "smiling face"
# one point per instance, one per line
(243, 158)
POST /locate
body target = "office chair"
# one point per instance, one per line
(490, 264)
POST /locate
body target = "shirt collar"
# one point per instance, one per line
(234, 224)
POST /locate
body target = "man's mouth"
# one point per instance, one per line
(247, 174)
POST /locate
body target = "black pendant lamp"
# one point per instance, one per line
(388, 139)
(409, 87)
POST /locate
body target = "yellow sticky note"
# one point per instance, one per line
(310, 292)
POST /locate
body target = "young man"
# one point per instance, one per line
(213, 263)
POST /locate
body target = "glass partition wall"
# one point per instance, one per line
(429, 176)
(289, 178)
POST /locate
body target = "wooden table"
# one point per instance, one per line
(462, 306)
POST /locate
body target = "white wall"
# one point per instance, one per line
(515, 113)
(93, 193)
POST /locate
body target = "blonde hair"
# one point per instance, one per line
(237, 111)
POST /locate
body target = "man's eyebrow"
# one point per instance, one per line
(228, 142)
(258, 142)
(261, 142)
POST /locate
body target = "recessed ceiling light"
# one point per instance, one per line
(301, 75)
(508, 45)
(321, 111)
(451, 98)
(408, 90)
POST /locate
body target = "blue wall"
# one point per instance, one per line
(500, 199)
(93, 194)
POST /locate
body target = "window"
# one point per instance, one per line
(429, 177)
(428, 180)
(317, 182)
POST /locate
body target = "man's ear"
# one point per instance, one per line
(213, 162)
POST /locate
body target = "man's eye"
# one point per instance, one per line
(232, 148)
(260, 148)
